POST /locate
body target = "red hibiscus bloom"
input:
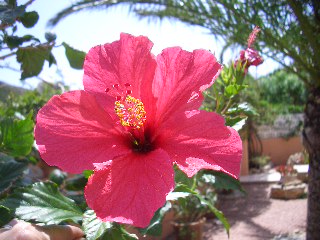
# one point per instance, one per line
(250, 56)
(137, 117)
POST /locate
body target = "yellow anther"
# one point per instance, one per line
(130, 112)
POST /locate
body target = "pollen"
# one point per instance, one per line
(130, 112)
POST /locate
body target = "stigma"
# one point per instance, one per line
(130, 112)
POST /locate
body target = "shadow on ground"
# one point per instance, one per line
(256, 216)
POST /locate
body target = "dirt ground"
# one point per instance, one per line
(258, 217)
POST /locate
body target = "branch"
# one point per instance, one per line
(7, 55)
(39, 78)
(29, 3)
(308, 30)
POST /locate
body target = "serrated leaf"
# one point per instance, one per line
(93, 227)
(29, 19)
(75, 57)
(96, 229)
(43, 203)
(32, 60)
(155, 226)
(10, 172)
(16, 136)
(5, 214)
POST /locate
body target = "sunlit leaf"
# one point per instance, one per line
(96, 229)
(16, 136)
(32, 59)
(225, 181)
(43, 203)
(75, 57)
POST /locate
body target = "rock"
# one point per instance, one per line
(294, 191)
(296, 158)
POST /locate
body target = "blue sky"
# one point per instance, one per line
(90, 28)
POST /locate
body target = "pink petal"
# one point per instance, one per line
(131, 188)
(73, 132)
(125, 61)
(200, 140)
(180, 78)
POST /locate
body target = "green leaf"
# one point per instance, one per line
(232, 121)
(216, 212)
(96, 229)
(15, 41)
(224, 181)
(180, 191)
(29, 19)
(10, 172)
(76, 183)
(75, 57)
(93, 227)
(32, 59)
(230, 91)
(185, 191)
(155, 226)
(9, 14)
(183, 188)
(16, 136)
(87, 173)
(43, 203)
(181, 178)
(6, 215)
(243, 108)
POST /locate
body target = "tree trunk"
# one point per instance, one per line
(311, 141)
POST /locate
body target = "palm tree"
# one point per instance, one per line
(290, 34)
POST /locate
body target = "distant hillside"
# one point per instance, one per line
(5, 90)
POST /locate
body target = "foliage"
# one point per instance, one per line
(43, 203)
(75, 57)
(10, 172)
(282, 87)
(259, 162)
(61, 201)
(30, 52)
(289, 28)
(22, 104)
(96, 229)
(16, 136)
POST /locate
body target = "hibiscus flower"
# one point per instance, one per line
(136, 117)
(250, 56)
